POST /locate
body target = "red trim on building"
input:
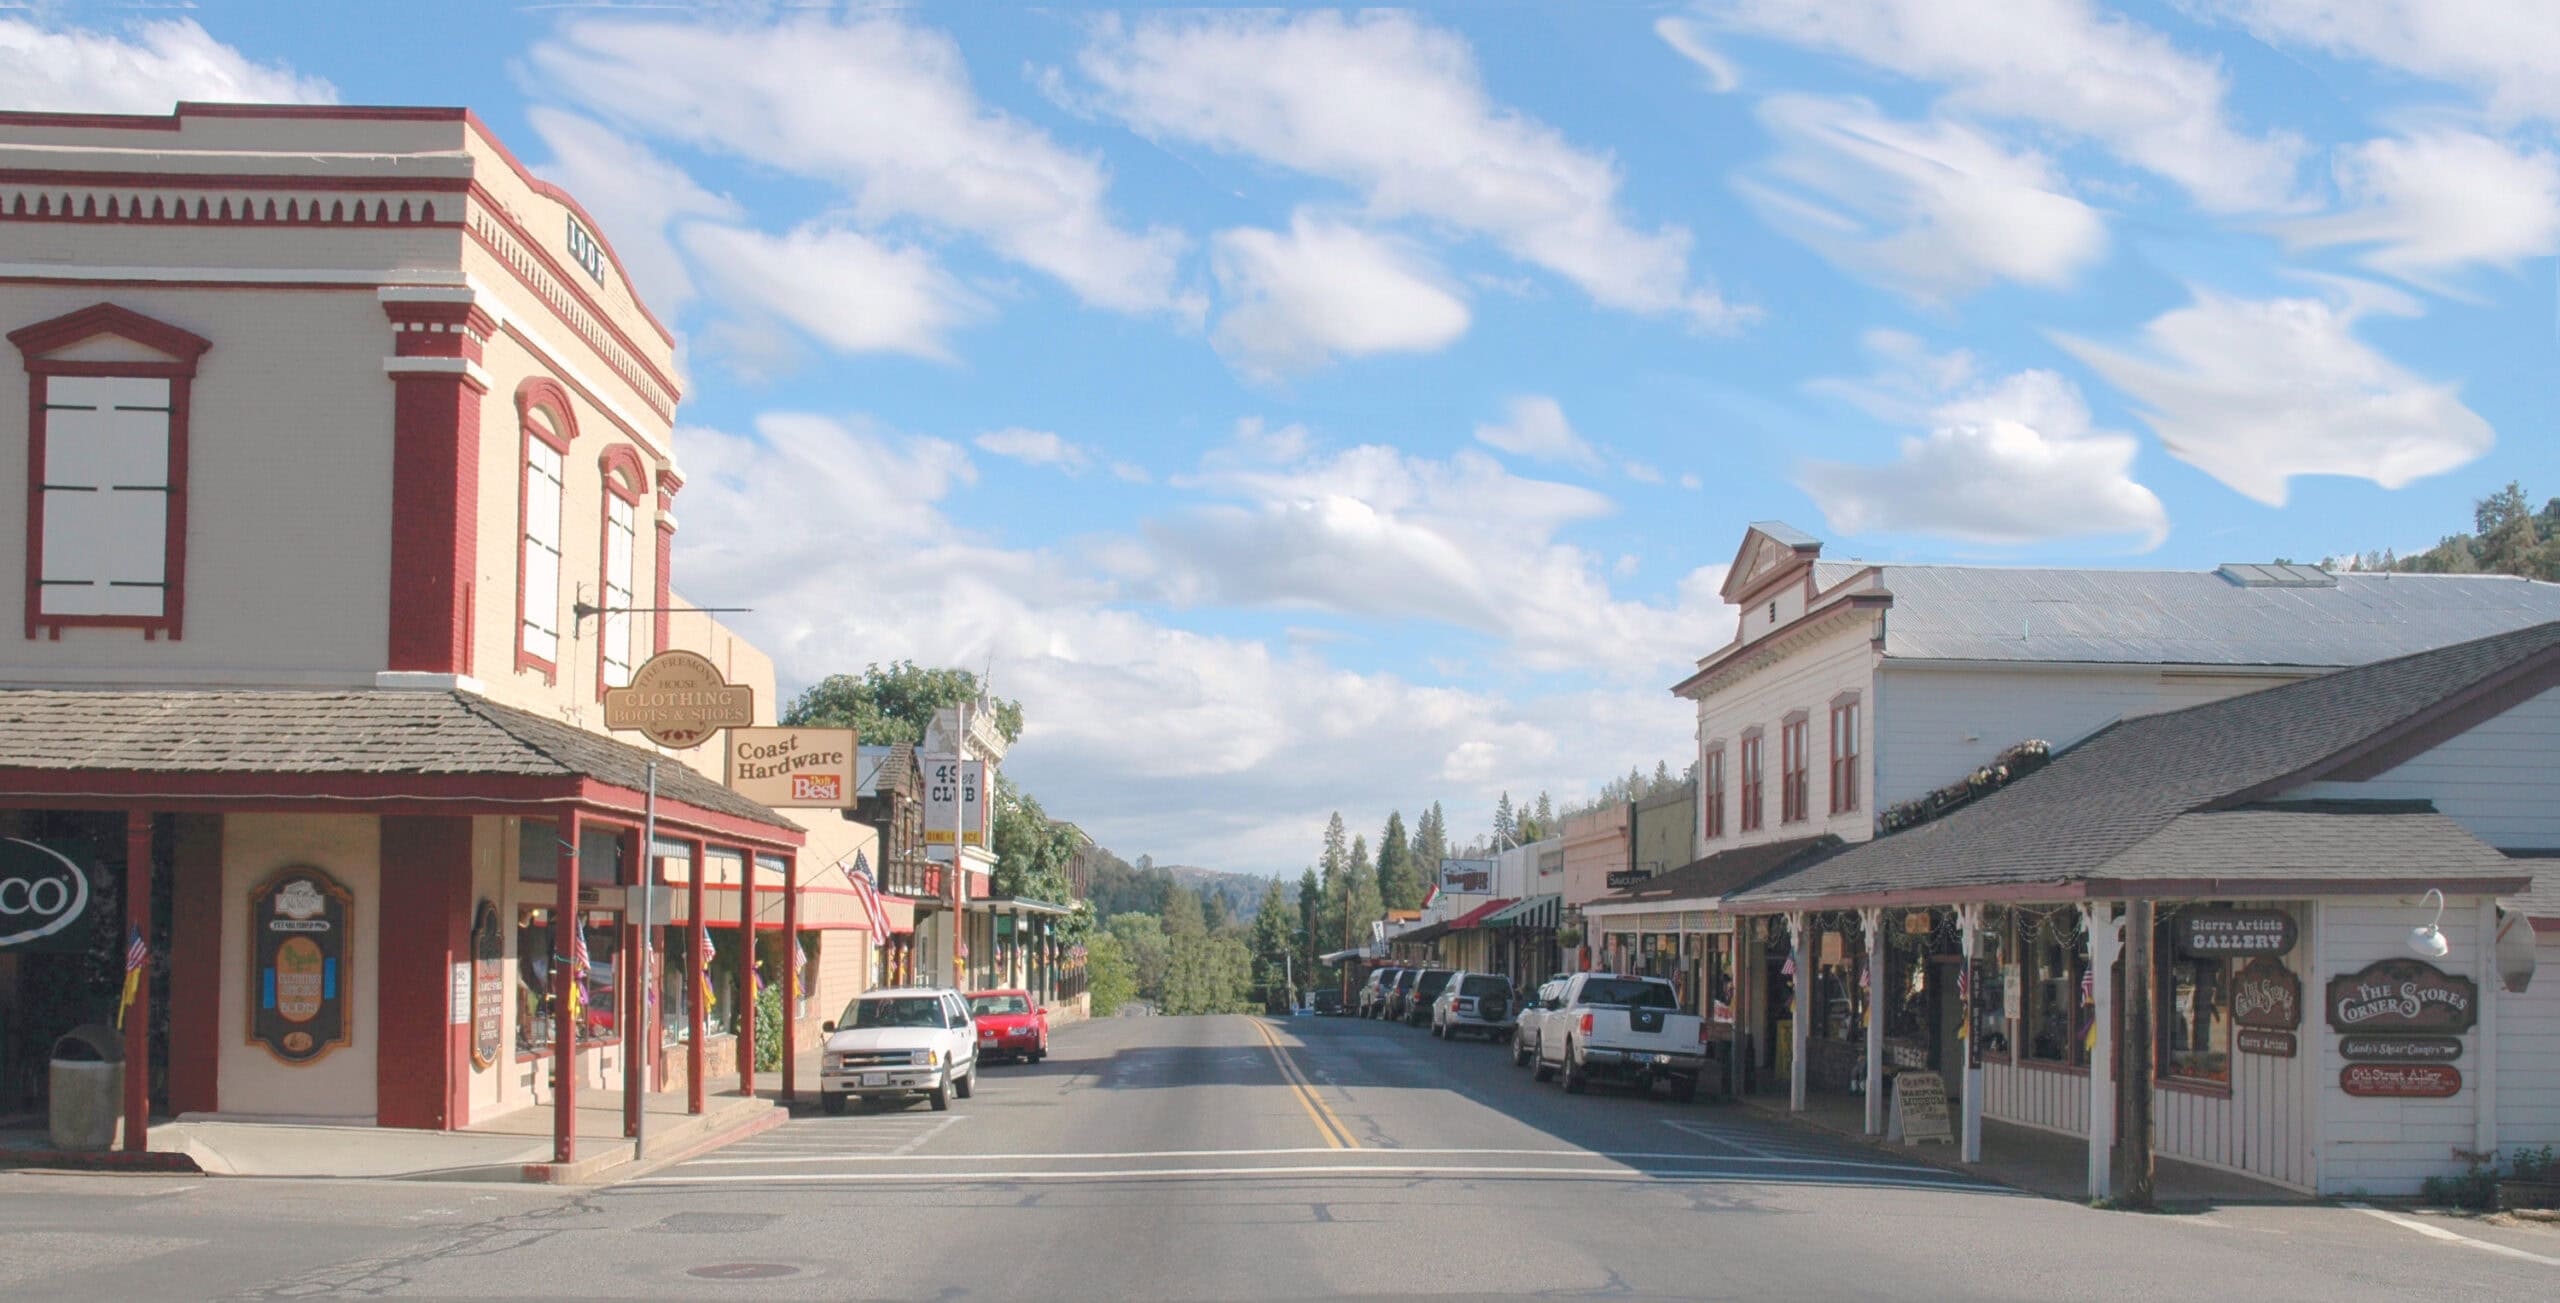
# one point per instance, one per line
(549, 395)
(435, 489)
(422, 1074)
(624, 475)
(195, 966)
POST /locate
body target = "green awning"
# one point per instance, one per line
(1545, 911)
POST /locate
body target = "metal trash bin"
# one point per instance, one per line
(87, 1089)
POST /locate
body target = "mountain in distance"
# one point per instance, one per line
(1115, 886)
(1242, 892)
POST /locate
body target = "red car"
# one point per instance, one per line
(1009, 1025)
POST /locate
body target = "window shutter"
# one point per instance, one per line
(106, 496)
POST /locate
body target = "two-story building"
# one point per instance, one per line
(337, 487)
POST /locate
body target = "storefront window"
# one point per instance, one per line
(599, 1016)
(771, 967)
(2195, 1012)
(1839, 987)
(1716, 973)
(2054, 1013)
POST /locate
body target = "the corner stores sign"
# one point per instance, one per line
(679, 700)
(808, 768)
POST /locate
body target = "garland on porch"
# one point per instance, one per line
(2008, 767)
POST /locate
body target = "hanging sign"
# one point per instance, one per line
(793, 768)
(1921, 1100)
(956, 791)
(2400, 1049)
(488, 986)
(301, 932)
(2400, 1081)
(2258, 1040)
(678, 699)
(2402, 995)
(2238, 933)
(2264, 993)
(44, 900)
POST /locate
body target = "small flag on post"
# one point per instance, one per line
(578, 965)
(867, 892)
(702, 975)
(136, 954)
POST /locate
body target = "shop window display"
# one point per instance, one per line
(2055, 1011)
(2194, 1011)
(536, 1004)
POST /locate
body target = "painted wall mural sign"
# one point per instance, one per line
(2402, 995)
(678, 699)
(2235, 933)
(2400, 1080)
(44, 899)
(2265, 993)
(2400, 1049)
(488, 986)
(301, 938)
(2258, 1040)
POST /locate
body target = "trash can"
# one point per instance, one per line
(87, 1089)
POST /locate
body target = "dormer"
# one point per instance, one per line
(1775, 558)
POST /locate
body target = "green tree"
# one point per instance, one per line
(1310, 939)
(894, 704)
(1275, 944)
(1398, 885)
(1032, 851)
(1430, 847)
(1146, 947)
(1183, 919)
(1109, 978)
(1214, 916)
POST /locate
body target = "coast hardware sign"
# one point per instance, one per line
(678, 700)
(44, 900)
(2402, 995)
(2235, 933)
(2266, 994)
(793, 768)
(301, 930)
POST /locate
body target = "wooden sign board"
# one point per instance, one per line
(678, 699)
(2258, 1040)
(2400, 1080)
(2237, 933)
(793, 768)
(2400, 1049)
(301, 965)
(2402, 995)
(2264, 993)
(488, 986)
(1920, 1101)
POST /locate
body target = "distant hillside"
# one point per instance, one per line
(1241, 891)
(1115, 886)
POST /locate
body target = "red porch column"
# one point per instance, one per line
(632, 993)
(698, 939)
(747, 972)
(790, 978)
(564, 982)
(137, 1021)
(195, 966)
(422, 1064)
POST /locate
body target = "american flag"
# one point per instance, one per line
(136, 954)
(865, 890)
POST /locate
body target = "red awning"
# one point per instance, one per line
(1475, 917)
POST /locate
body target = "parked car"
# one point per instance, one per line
(1535, 1013)
(1625, 1029)
(1374, 992)
(898, 1044)
(1474, 1002)
(1010, 1026)
(1392, 1008)
(1326, 1003)
(1415, 1003)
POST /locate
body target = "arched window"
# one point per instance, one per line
(624, 482)
(548, 421)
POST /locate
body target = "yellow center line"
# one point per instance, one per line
(1336, 1134)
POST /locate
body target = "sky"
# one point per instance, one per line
(1304, 410)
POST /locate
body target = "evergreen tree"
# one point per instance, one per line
(1109, 979)
(1360, 867)
(1505, 826)
(1274, 949)
(1336, 856)
(1399, 883)
(1662, 780)
(1149, 952)
(1310, 907)
(1430, 846)
(1214, 917)
(1546, 810)
(1183, 919)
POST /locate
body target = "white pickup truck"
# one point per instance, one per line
(1624, 1029)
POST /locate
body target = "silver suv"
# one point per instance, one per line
(1482, 1003)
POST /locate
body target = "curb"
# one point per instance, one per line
(158, 1162)
(622, 1167)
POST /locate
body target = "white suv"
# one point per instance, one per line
(900, 1043)
(1475, 1002)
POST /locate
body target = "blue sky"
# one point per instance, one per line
(1304, 411)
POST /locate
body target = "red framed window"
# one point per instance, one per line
(107, 472)
(1844, 755)
(1751, 814)
(1794, 770)
(1711, 794)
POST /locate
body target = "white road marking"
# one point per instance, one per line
(923, 1136)
(1381, 1153)
(1951, 1181)
(2440, 1233)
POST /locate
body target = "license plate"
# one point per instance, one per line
(875, 1079)
(988, 1039)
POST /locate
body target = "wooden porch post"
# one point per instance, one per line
(747, 987)
(1969, 924)
(2106, 941)
(2134, 1169)
(698, 945)
(634, 995)
(1800, 1034)
(790, 978)
(564, 999)
(137, 1020)
(1737, 1069)
(1872, 918)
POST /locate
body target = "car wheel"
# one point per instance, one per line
(1684, 1089)
(831, 1103)
(941, 1096)
(1538, 1069)
(1574, 1081)
(1519, 1051)
(968, 1085)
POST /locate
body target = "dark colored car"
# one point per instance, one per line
(1374, 992)
(1426, 988)
(1326, 1003)
(1398, 992)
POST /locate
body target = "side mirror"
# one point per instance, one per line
(1044, 1011)
(828, 1026)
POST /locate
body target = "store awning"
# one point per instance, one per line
(1536, 912)
(1475, 918)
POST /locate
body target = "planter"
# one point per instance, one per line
(2514, 1194)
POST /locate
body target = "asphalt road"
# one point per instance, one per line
(1236, 1158)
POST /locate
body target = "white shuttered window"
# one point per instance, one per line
(541, 597)
(106, 497)
(621, 538)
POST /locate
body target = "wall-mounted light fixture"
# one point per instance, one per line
(2429, 941)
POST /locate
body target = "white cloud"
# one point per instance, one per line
(1689, 37)
(2064, 64)
(1535, 426)
(885, 111)
(1131, 472)
(1320, 290)
(147, 69)
(2434, 202)
(1690, 480)
(1641, 472)
(2017, 462)
(1398, 111)
(849, 291)
(634, 195)
(2255, 392)
(1934, 208)
(1035, 448)
(2503, 50)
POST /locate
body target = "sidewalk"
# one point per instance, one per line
(2039, 1162)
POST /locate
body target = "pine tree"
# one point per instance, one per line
(1431, 846)
(1274, 946)
(1335, 858)
(1661, 778)
(1399, 883)
(1504, 825)
(1183, 917)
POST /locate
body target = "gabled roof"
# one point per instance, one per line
(1701, 883)
(1769, 548)
(2152, 797)
(285, 732)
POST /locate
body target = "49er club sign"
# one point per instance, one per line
(678, 699)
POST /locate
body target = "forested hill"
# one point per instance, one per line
(1115, 886)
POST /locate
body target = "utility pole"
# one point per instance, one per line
(2133, 1167)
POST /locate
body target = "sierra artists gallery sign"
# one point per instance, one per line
(2402, 995)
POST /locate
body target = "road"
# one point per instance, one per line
(1236, 1158)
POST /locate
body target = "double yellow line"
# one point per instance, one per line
(1336, 1135)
